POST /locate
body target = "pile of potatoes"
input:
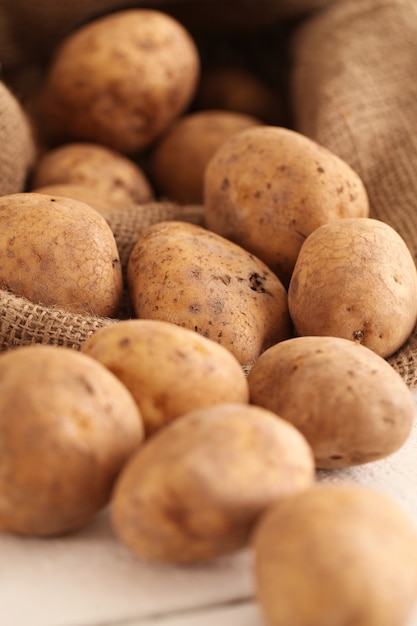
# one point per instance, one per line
(257, 345)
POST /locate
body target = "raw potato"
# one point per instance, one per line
(120, 80)
(267, 188)
(178, 162)
(348, 402)
(195, 489)
(18, 149)
(67, 427)
(98, 200)
(59, 252)
(355, 278)
(340, 555)
(235, 88)
(169, 370)
(182, 273)
(101, 169)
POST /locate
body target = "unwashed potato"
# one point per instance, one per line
(182, 273)
(355, 278)
(336, 554)
(119, 80)
(195, 489)
(59, 252)
(232, 87)
(349, 403)
(98, 200)
(67, 427)
(97, 167)
(267, 188)
(179, 160)
(169, 370)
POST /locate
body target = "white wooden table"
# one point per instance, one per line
(90, 579)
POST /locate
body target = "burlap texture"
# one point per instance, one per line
(23, 322)
(354, 90)
(17, 148)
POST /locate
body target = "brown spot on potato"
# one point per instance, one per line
(194, 308)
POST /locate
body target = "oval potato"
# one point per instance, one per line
(336, 554)
(182, 273)
(59, 252)
(169, 370)
(348, 402)
(179, 160)
(97, 167)
(355, 278)
(195, 489)
(67, 427)
(119, 80)
(267, 188)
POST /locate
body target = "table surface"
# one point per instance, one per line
(90, 579)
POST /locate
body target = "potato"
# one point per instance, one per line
(18, 148)
(195, 489)
(336, 554)
(101, 169)
(120, 80)
(98, 200)
(179, 160)
(67, 427)
(59, 252)
(348, 402)
(182, 273)
(232, 87)
(267, 188)
(355, 278)
(169, 370)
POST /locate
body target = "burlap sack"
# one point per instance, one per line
(354, 90)
(17, 148)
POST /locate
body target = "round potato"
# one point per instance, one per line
(182, 273)
(99, 168)
(67, 427)
(349, 403)
(195, 489)
(267, 188)
(336, 554)
(59, 252)
(120, 80)
(169, 370)
(178, 162)
(355, 278)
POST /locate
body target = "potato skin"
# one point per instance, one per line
(179, 160)
(169, 370)
(267, 188)
(96, 199)
(67, 426)
(348, 402)
(120, 80)
(59, 252)
(336, 554)
(355, 278)
(97, 167)
(231, 87)
(182, 273)
(195, 489)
